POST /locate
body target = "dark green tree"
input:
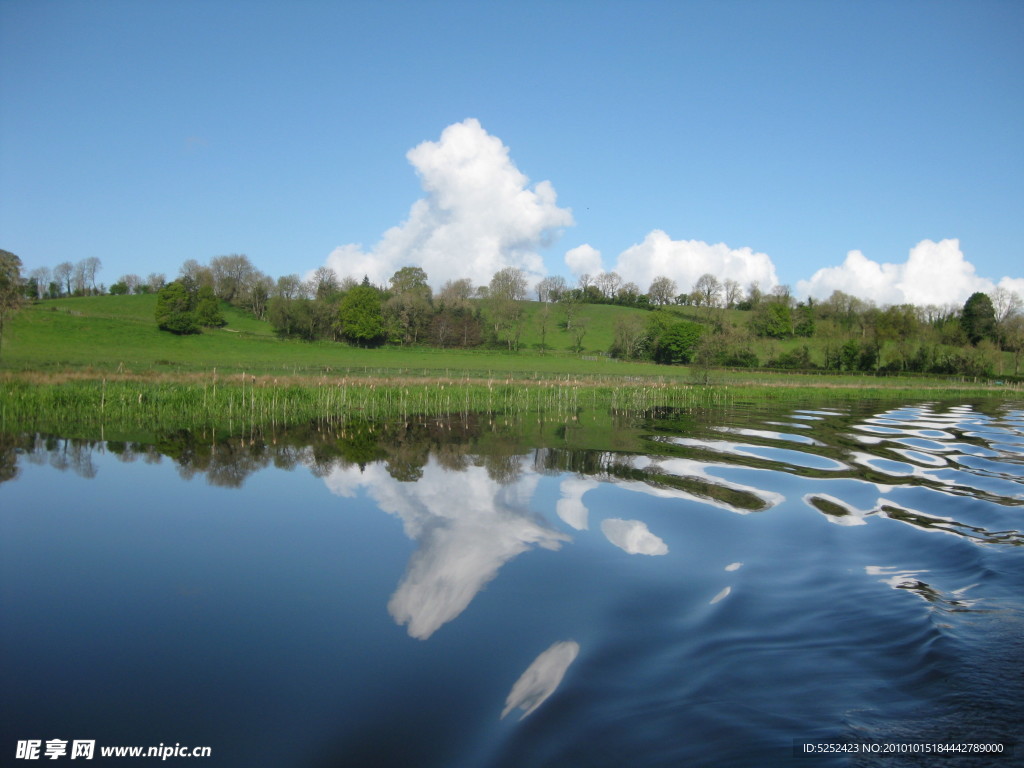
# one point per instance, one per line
(175, 309)
(360, 315)
(11, 297)
(805, 324)
(978, 318)
(678, 343)
(208, 312)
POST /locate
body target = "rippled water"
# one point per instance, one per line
(689, 588)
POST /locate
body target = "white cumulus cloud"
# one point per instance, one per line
(934, 273)
(686, 260)
(479, 215)
(584, 260)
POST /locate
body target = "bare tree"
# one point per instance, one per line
(783, 294)
(579, 330)
(198, 274)
(324, 282)
(1006, 304)
(233, 276)
(608, 283)
(630, 331)
(156, 280)
(543, 320)
(42, 276)
(1013, 339)
(550, 288)
(508, 283)
(91, 266)
(628, 293)
(707, 291)
(663, 290)
(131, 282)
(754, 293)
(79, 280)
(456, 293)
(507, 289)
(63, 274)
(259, 294)
(732, 293)
(570, 301)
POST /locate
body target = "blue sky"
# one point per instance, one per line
(757, 140)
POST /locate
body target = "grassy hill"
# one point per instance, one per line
(119, 333)
(111, 333)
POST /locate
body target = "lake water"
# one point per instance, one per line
(674, 589)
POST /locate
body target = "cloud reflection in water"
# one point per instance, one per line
(541, 678)
(467, 525)
(633, 537)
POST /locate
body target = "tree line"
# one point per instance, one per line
(717, 322)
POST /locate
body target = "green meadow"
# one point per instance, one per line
(101, 362)
(107, 334)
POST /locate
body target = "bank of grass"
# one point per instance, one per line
(101, 362)
(82, 403)
(110, 334)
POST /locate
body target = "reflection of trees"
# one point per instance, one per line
(8, 458)
(404, 448)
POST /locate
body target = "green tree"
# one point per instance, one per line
(630, 336)
(805, 325)
(978, 318)
(360, 315)
(408, 313)
(208, 313)
(10, 288)
(175, 307)
(410, 280)
(772, 319)
(678, 343)
(1013, 339)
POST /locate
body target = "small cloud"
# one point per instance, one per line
(584, 259)
(633, 537)
(721, 596)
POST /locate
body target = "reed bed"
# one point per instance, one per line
(241, 401)
(84, 399)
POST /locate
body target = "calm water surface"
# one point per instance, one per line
(689, 588)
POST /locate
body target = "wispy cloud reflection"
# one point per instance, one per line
(570, 508)
(633, 537)
(541, 678)
(721, 596)
(467, 525)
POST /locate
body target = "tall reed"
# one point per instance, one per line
(240, 401)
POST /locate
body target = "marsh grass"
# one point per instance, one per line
(85, 400)
(240, 401)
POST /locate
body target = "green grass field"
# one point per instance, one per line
(106, 336)
(118, 333)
